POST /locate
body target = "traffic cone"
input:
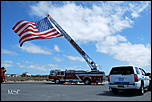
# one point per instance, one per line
(65, 83)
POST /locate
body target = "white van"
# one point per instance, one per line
(128, 77)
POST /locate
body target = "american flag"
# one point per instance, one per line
(41, 29)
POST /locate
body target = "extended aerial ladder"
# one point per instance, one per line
(90, 62)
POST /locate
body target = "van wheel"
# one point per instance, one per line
(141, 90)
(87, 81)
(149, 87)
(57, 81)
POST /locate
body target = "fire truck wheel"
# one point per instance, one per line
(57, 81)
(87, 81)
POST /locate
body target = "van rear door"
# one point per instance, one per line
(122, 75)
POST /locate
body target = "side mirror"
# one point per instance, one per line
(148, 74)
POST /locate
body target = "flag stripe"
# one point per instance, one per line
(23, 26)
(48, 36)
(19, 24)
(30, 39)
(15, 27)
(43, 35)
(28, 30)
(39, 33)
(38, 37)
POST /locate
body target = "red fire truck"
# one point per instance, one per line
(80, 76)
(87, 77)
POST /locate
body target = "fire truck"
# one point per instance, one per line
(86, 77)
(81, 76)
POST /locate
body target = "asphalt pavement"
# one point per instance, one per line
(46, 91)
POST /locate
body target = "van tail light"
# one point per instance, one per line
(108, 78)
(135, 77)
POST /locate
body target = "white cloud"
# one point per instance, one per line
(136, 9)
(42, 67)
(8, 52)
(58, 59)
(121, 49)
(32, 48)
(75, 58)
(6, 63)
(79, 24)
(25, 65)
(56, 48)
(45, 68)
(43, 7)
(90, 24)
(101, 24)
(33, 66)
(59, 67)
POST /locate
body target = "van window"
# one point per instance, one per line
(122, 70)
(142, 71)
(137, 70)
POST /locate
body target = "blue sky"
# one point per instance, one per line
(111, 33)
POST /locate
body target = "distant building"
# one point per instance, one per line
(8, 75)
(11, 75)
(26, 74)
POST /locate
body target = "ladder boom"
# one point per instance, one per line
(90, 62)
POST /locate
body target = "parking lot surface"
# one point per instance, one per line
(45, 91)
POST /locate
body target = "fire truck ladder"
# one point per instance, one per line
(90, 62)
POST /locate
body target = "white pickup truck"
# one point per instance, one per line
(129, 77)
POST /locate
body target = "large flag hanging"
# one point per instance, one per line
(42, 29)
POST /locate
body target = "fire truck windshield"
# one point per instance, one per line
(52, 73)
(61, 73)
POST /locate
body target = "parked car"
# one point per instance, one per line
(129, 77)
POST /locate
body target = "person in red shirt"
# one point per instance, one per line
(2, 77)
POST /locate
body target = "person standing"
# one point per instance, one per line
(2, 76)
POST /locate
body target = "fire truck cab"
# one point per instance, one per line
(87, 77)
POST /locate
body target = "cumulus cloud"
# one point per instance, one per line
(74, 58)
(91, 24)
(136, 9)
(6, 63)
(4, 51)
(121, 49)
(33, 66)
(58, 59)
(101, 23)
(34, 49)
(38, 66)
